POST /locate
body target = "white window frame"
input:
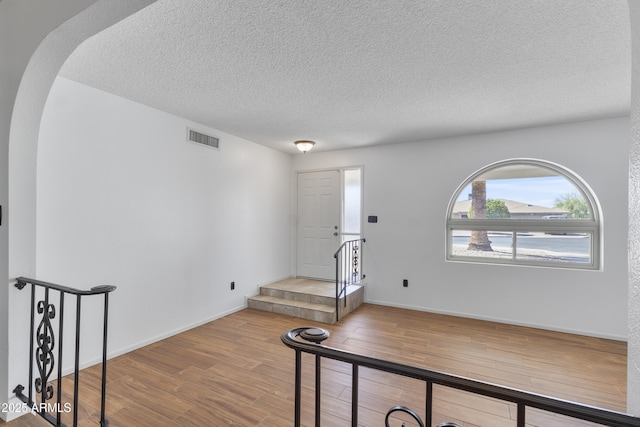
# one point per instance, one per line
(591, 226)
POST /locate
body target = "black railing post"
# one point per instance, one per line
(298, 388)
(76, 369)
(103, 388)
(354, 395)
(348, 269)
(337, 287)
(521, 414)
(428, 417)
(316, 336)
(60, 341)
(318, 389)
(32, 339)
(44, 357)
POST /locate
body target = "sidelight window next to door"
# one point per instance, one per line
(351, 204)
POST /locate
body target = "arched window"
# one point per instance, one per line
(526, 212)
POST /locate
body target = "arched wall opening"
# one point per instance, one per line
(73, 21)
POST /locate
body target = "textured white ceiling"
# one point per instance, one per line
(361, 72)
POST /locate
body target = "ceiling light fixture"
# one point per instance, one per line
(304, 146)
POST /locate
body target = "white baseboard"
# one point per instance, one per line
(169, 334)
(499, 320)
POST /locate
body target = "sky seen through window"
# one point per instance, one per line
(541, 191)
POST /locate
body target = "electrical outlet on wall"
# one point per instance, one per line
(405, 283)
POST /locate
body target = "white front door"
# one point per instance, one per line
(318, 223)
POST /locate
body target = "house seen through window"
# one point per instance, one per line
(525, 211)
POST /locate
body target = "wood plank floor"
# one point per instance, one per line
(235, 372)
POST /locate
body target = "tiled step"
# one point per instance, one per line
(305, 310)
(306, 298)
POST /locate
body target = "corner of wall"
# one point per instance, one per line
(633, 352)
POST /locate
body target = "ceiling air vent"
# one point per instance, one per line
(204, 139)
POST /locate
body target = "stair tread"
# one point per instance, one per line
(293, 303)
(326, 289)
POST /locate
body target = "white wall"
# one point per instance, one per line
(124, 199)
(408, 186)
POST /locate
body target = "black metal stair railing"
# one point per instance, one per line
(308, 340)
(348, 269)
(46, 350)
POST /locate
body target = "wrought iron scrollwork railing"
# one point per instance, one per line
(309, 340)
(348, 269)
(46, 350)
